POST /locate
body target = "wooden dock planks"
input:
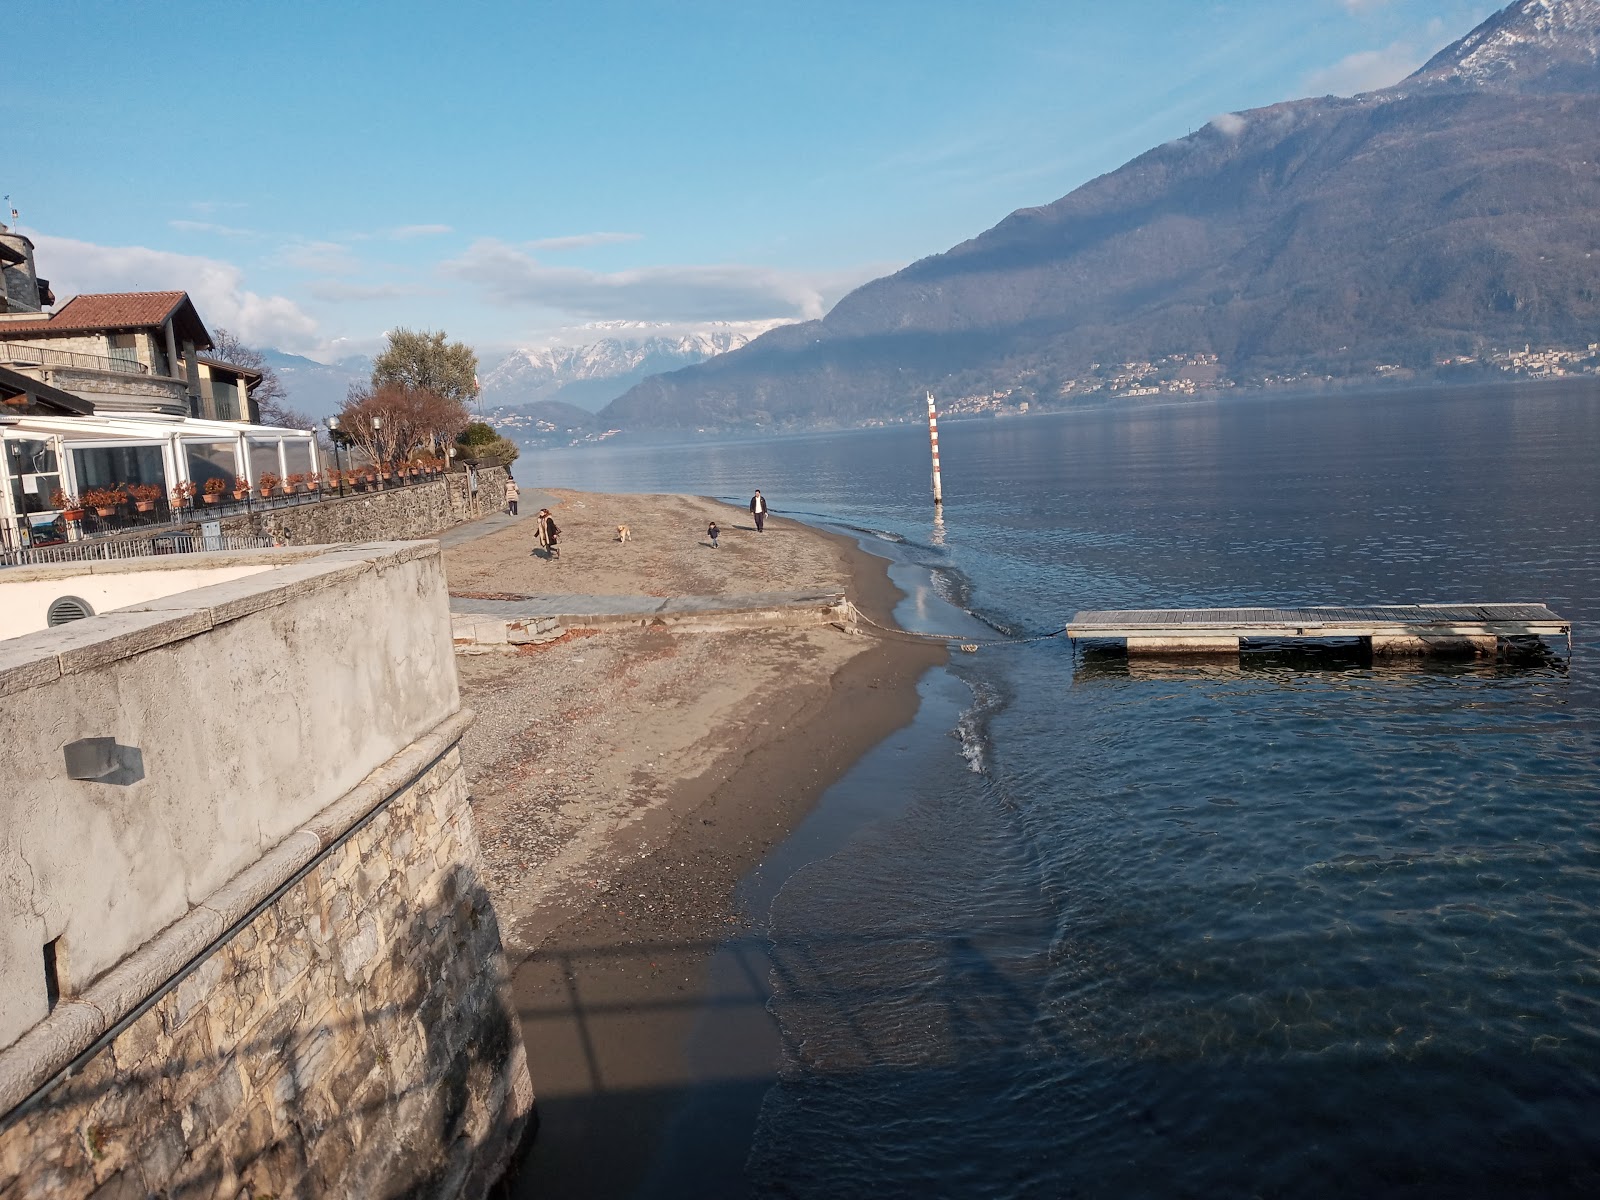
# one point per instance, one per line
(1212, 629)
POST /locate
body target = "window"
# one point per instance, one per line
(225, 395)
(108, 466)
(123, 348)
(34, 474)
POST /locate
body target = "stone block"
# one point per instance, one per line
(187, 998)
(161, 1153)
(124, 1185)
(22, 667)
(110, 637)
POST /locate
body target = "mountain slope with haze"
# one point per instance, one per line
(1457, 210)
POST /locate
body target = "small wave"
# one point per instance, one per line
(972, 727)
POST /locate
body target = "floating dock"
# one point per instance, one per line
(1387, 628)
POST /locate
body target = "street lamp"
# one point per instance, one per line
(377, 426)
(337, 436)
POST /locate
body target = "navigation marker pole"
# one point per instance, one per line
(933, 440)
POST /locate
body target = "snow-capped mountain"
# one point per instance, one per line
(597, 372)
(1538, 46)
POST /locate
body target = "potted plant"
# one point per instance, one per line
(183, 495)
(67, 503)
(268, 483)
(241, 487)
(145, 495)
(211, 493)
(105, 501)
(71, 507)
(293, 483)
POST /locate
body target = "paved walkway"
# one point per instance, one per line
(531, 502)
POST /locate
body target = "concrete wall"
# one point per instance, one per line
(26, 593)
(284, 847)
(305, 678)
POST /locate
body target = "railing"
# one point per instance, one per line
(45, 357)
(91, 532)
(174, 542)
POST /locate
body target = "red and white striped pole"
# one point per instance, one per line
(933, 439)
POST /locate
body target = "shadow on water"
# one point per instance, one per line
(877, 1107)
(1103, 661)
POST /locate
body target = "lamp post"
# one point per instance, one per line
(377, 447)
(337, 436)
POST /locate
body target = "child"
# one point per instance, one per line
(711, 532)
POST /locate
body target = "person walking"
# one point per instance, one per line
(548, 533)
(511, 496)
(711, 532)
(758, 509)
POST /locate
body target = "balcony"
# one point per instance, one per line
(14, 355)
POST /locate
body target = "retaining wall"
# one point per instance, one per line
(397, 514)
(255, 954)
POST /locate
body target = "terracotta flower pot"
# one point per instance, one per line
(144, 505)
(210, 497)
(106, 510)
(72, 514)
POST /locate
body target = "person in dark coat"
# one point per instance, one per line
(548, 534)
(713, 532)
(758, 509)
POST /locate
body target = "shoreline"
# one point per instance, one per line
(614, 962)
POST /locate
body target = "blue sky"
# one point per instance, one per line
(316, 173)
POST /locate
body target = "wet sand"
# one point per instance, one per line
(625, 782)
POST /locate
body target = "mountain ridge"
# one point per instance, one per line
(1397, 229)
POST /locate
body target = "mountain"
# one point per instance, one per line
(543, 419)
(314, 388)
(589, 376)
(1453, 213)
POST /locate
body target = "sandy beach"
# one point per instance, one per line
(625, 781)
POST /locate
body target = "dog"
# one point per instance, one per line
(623, 533)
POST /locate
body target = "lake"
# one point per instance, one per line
(1296, 925)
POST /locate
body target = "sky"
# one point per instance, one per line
(519, 173)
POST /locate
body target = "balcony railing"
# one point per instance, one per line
(43, 356)
(34, 539)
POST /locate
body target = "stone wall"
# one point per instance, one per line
(248, 953)
(354, 1038)
(418, 511)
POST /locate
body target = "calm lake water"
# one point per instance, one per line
(1296, 927)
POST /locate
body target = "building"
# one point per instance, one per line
(126, 351)
(116, 391)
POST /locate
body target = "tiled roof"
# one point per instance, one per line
(115, 310)
(108, 311)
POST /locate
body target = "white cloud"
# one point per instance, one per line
(183, 226)
(1364, 71)
(580, 241)
(1229, 124)
(324, 258)
(675, 293)
(404, 233)
(216, 287)
(337, 292)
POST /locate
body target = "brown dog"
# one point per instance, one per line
(623, 532)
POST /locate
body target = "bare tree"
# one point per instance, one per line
(390, 422)
(272, 399)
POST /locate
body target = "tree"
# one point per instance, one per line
(479, 445)
(272, 399)
(424, 361)
(392, 421)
